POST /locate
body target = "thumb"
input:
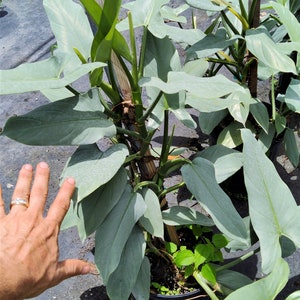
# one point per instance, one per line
(73, 267)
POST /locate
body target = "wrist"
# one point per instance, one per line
(10, 288)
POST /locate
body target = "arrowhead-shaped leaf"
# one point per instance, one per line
(267, 51)
(272, 207)
(266, 288)
(71, 28)
(72, 121)
(226, 161)
(42, 75)
(92, 168)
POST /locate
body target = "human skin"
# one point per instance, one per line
(29, 253)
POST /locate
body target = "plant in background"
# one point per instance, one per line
(123, 182)
(252, 49)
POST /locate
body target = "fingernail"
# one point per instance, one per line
(90, 269)
(28, 167)
(43, 165)
(93, 269)
(71, 180)
(86, 269)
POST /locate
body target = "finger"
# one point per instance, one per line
(61, 203)
(73, 267)
(2, 207)
(39, 190)
(22, 189)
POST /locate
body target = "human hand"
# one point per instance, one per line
(29, 242)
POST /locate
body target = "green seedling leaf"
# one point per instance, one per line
(74, 121)
(171, 247)
(118, 285)
(87, 164)
(203, 253)
(266, 192)
(209, 273)
(266, 50)
(113, 234)
(182, 215)
(200, 179)
(265, 288)
(291, 147)
(184, 258)
(219, 240)
(152, 219)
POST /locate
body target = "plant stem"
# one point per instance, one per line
(128, 132)
(72, 90)
(172, 188)
(164, 153)
(273, 98)
(236, 261)
(142, 53)
(133, 49)
(197, 275)
(150, 109)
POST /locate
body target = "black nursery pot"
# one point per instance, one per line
(198, 294)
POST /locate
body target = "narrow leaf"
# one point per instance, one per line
(291, 147)
(152, 219)
(142, 285)
(260, 114)
(113, 234)
(118, 285)
(200, 180)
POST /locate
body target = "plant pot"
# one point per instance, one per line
(198, 294)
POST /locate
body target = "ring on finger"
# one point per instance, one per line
(19, 201)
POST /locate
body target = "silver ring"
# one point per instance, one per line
(19, 201)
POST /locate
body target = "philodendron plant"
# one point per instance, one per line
(252, 50)
(123, 183)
